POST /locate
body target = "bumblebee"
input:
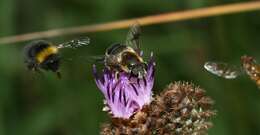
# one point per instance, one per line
(43, 55)
(127, 56)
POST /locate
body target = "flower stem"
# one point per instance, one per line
(148, 20)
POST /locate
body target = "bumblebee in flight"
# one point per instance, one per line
(126, 57)
(44, 55)
(249, 66)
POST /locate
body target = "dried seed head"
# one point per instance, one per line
(181, 108)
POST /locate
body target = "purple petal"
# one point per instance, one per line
(126, 94)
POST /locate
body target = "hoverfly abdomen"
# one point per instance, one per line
(115, 49)
(125, 57)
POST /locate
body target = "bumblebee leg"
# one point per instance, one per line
(58, 74)
(38, 71)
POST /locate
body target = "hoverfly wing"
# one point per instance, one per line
(97, 59)
(133, 37)
(223, 70)
(75, 43)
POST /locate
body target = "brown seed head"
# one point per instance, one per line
(181, 108)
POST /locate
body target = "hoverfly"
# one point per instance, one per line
(42, 54)
(127, 56)
(249, 66)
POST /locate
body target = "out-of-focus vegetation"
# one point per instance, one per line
(32, 104)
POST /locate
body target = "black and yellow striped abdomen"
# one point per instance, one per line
(42, 54)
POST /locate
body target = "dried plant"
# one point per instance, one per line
(124, 93)
(147, 20)
(180, 109)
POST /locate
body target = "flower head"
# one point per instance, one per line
(180, 109)
(124, 93)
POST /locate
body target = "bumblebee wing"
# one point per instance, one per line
(223, 69)
(133, 37)
(75, 43)
(58, 75)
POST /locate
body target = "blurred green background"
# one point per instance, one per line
(31, 104)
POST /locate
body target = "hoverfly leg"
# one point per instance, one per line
(116, 75)
(130, 76)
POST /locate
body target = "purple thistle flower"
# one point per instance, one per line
(125, 94)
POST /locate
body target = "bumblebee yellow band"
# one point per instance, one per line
(41, 56)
